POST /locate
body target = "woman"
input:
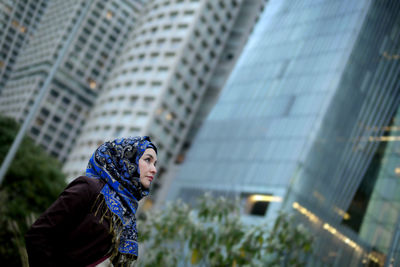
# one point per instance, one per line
(94, 217)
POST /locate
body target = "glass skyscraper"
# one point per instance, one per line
(306, 122)
(381, 222)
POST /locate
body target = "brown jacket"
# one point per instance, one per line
(68, 233)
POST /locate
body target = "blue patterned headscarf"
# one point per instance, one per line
(117, 163)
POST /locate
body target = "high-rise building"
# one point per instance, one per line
(18, 21)
(301, 125)
(85, 65)
(381, 218)
(168, 66)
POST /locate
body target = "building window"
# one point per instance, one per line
(35, 131)
(188, 12)
(257, 204)
(56, 119)
(45, 112)
(118, 131)
(47, 138)
(39, 122)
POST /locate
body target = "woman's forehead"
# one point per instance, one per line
(150, 151)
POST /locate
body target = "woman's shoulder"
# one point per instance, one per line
(92, 185)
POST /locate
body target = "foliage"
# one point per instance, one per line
(32, 183)
(214, 235)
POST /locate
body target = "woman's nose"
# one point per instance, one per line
(154, 169)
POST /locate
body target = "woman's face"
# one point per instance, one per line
(147, 167)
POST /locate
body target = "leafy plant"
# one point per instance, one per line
(33, 181)
(213, 234)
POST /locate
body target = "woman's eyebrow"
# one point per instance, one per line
(149, 155)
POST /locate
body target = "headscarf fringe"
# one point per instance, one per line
(116, 226)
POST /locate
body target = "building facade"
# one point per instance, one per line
(98, 31)
(158, 86)
(300, 126)
(18, 22)
(381, 219)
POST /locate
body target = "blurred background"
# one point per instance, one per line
(288, 105)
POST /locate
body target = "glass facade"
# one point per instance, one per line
(304, 118)
(381, 219)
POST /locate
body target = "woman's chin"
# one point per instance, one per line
(146, 185)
